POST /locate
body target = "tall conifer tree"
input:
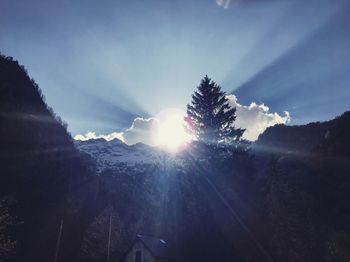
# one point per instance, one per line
(210, 117)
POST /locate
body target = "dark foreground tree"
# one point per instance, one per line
(7, 222)
(210, 117)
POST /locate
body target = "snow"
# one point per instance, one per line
(115, 153)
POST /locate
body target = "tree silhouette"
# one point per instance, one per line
(210, 117)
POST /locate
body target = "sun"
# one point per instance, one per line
(171, 129)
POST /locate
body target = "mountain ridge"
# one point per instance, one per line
(118, 155)
(314, 136)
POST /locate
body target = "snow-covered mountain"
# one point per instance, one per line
(117, 154)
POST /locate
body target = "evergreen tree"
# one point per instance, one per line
(210, 117)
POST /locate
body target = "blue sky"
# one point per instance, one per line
(103, 63)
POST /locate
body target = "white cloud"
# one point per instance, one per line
(142, 130)
(255, 118)
(92, 135)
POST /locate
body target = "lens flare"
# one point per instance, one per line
(171, 129)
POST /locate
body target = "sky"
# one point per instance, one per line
(108, 66)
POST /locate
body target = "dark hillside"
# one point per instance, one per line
(40, 167)
(331, 136)
(304, 180)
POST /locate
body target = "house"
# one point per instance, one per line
(149, 249)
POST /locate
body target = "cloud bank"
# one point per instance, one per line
(92, 135)
(255, 118)
(142, 130)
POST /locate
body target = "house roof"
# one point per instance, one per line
(157, 246)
